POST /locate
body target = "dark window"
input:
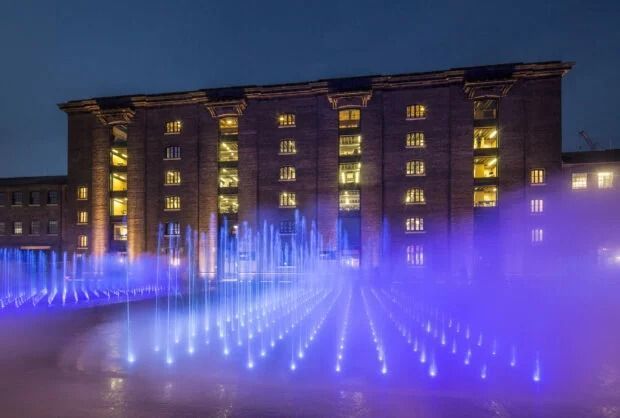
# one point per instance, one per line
(35, 227)
(172, 153)
(52, 197)
(287, 227)
(173, 229)
(2, 198)
(35, 198)
(2, 228)
(17, 198)
(485, 109)
(52, 227)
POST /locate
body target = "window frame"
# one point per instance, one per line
(173, 127)
(415, 196)
(417, 111)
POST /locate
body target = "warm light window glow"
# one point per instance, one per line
(485, 196)
(286, 120)
(172, 153)
(174, 127)
(229, 151)
(287, 146)
(485, 138)
(172, 177)
(228, 203)
(536, 206)
(287, 173)
(82, 217)
(414, 224)
(229, 177)
(537, 235)
(82, 241)
(416, 111)
(580, 181)
(605, 180)
(120, 232)
(485, 167)
(415, 140)
(82, 193)
(172, 203)
(18, 228)
(485, 109)
(415, 168)
(350, 173)
(537, 176)
(415, 196)
(349, 200)
(229, 125)
(415, 255)
(288, 200)
(118, 157)
(350, 145)
(118, 206)
(348, 118)
(118, 182)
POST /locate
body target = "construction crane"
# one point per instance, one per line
(591, 144)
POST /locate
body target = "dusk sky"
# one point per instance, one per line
(64, 50)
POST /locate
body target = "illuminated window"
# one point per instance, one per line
(35, 199)
(349, 200)
(287, 173)
(415, 255)
(350, 173)
(35, 228)
(172, 153)
(415, 196)
(415, 140)
(485, 167)
(228, 203)
(18, 228)
(82, 217)
(118, 182)
(350, 145)
(415, 168)
(485, 109)
(172, 203)
(286, 120)
(229, 177)
(349, 118)
(485, 196)
(172, 177)
(118, 206)
(416, 111)
(605, 180)
(82, 193)
(229, 125)
(120, 232)
(287, 200)
(17, 198)
(485, 138)
(580, 181)
(52, 227)
(174, 127)
(537, 235)
(414, 225)
(52, 197)
(536, 206)
(172, 229)
(537, 176)
(287, 146)
(82, 241)
(229, 151)
(118, 157)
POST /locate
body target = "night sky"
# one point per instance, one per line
(58, 51)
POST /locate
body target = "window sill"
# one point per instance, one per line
(415, 203)
(538, 184)
(82, 223)
(172, 133)
(171, 210)
(415, 175)
(34, 204)
(172, 159)
(53, 235)
(415, 232)
(172, 184)
(287, 180)
(286, 126)
(420, 118)
(287, 153)
(16, 206)
(287, 207)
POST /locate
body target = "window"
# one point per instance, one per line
(229, 177)
(82, 217)
(2, 228)
(536, 206)
(415, 196)
(229, 151)
(17, 198)
(18, 228)
(580, 181)
(414, 225)
(605, 180)
(287, 227)
(118, 182)
(35, 228)
(485, 109)
(485, 196)
(415, 140)
(52, 197)
(350, 173)
(415, 255)
(229, 125)
(2, 198)
(172, 203)
(485, 167)
(537, 235)
(118, 157)
(287, 173)
(350, 145)
(228, 203)
(52, 227)
(415, 168)
(35, 198)
(118, 206)
(120, 232)
(287, 146)
(173, 127)
(537, 176)
(485, 138)
(82, 193)
(172, 177)
(286, 120)
(349, 200)
(349, 118)
(173, 229)
(287, 200)
(82, 241)
(416, 111)
(172, 153)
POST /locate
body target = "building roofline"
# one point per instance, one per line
(25, 181)
(591, 157)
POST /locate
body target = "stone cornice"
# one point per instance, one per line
(349, 99)
(495, 88)
(226, 108)
(110, 117)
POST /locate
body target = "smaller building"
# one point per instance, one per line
(31, 212)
